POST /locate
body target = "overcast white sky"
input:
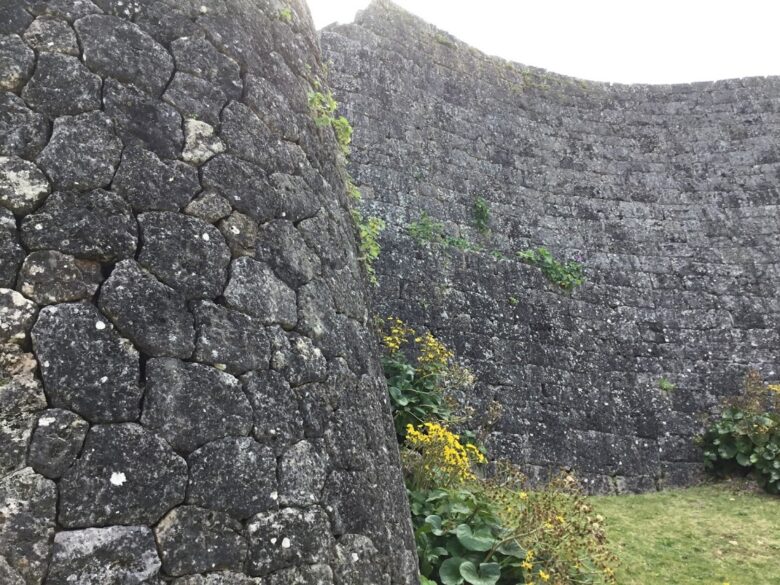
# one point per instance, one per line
(658, 41)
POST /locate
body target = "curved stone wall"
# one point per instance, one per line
(189, 389)
(668, 194)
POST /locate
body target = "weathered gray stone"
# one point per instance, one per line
(83, 152)
(11, 252)
(254, 289)
(142, 120)
(49, 277)
(287, 538)
(240, 234)
(97, 225)
(16, 62)
(200, 142)
(185, 253)
(236, 475)
(116, 555)
(302, 473)
(56, 442)
(51, 35)
(152, 315)
(22, 131)
(149, 184)
(167, 22)
(28, 504)
(70, 10)
(85, 365)
(17, 315)
(125, 475)
(229, 339)
(297, 358)
(62, 86)
(199, 57)
(209, 207)
(14, 19)
(303, 575)
(358, 561)
(283, 247)
(22, 398)
(195, 540)
(7, 574)
(116, 48)
(277, 420)
(218, 578)
(296, 201)
(243, 184)
(190, 405)
(22, 185)
(195, 98)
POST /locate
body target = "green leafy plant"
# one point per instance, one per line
(426, 230)
(286, 15)
(482, 215)
(567, 275)
(666, 386)
(746, 436)
(369, 228)
(324, 106)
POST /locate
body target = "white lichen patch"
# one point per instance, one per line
(200, 142)
(22, 185)
(118, 478)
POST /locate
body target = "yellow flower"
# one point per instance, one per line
(442, 450)
(526, 565)
(523, 495)
(560, 519)
(773, 388)
(397, 334)
(529, 556)
(434, 355)
(544, 576)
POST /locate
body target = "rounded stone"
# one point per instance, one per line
(254, 289)
(116, 555)
(62, 86)
(23, 132)
(125, 475)
(11, 251)
(17, 315)
(48, 277)
(152, 315)
(56, 442)
(16, 62)
(85, 365)
(190, 404)
(98, 225)
(50, 35)
(235, 475)
(23, 186)
(209, 207)
(83, 152)
(185, 253)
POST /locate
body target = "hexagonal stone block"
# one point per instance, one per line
(49, 277)
(116, 48)
(195, 97)
(288, 537)
(240, 233)
(85, 365)
(125, 475)
(254, 289)
(199, 57)
(16, 316)
(70, 10)
(236, 475)
(185, 253)
(219, 578)
(283, 247)
(16, 62)
(277, 420)
(209, 207)
(23, 186)
(152, 315)
(191, 404)
(83, 152)
(62, 86)
(229, 339)
(303, 575)
(98, 225)
(22, 131)
(243, 184)
(142, 120)
(116, 555)
(149, 184)
(28, 505)
(196, 540)
(56, 441)
(51, 35)
(302, 472)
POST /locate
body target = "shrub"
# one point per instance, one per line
(470, 526)
(324, 106)
(482, 215)
(368, 229)
(567, 275)
(427, 230)
(746, 436)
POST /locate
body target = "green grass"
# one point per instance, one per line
(710, 534)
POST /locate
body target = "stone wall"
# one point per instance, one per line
(668, 194)
(189, 389)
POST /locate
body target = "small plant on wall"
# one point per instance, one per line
(482, 215)
(471, 527)
(567, 275)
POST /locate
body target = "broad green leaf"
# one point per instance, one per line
(743, 459)
(487, 574)
(449, 571)
(481, 540)
(435, 523)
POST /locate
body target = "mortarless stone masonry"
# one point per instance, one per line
(189, 390)
(669, 194)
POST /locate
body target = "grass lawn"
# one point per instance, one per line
(712, 534)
